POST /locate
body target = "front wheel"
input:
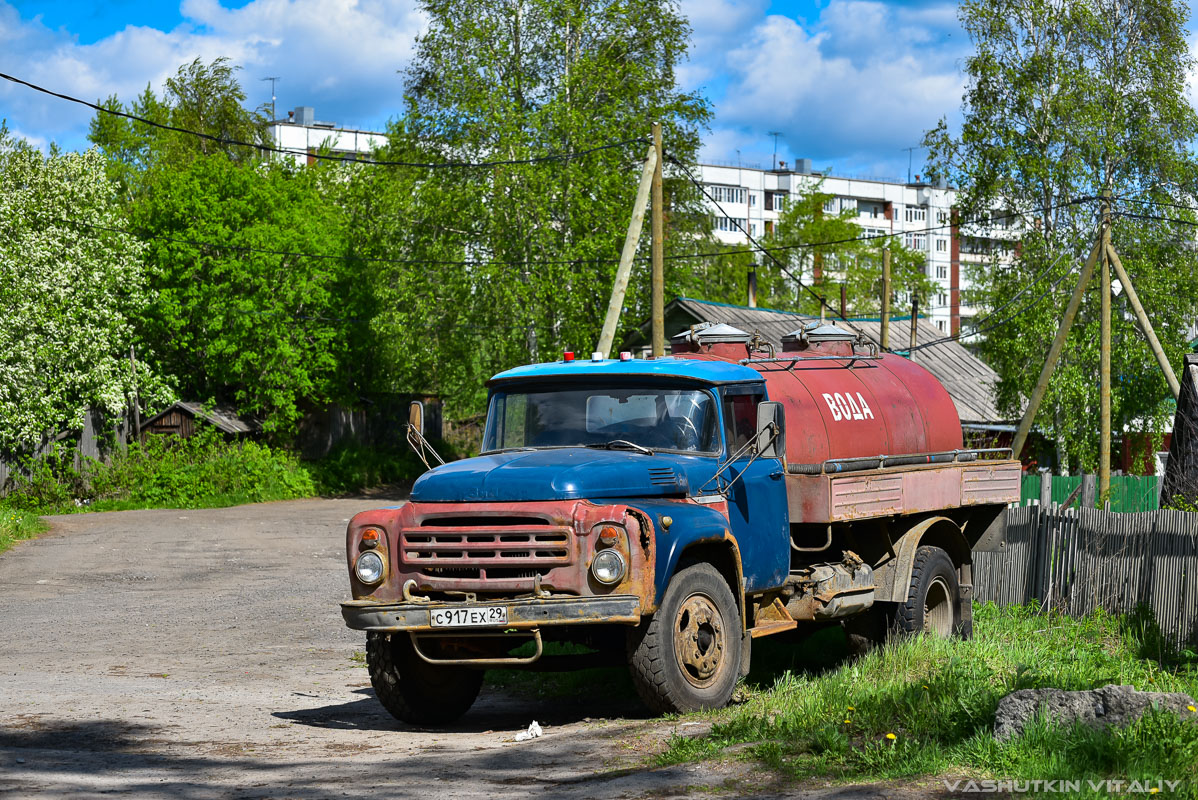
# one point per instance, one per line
(687, 657)
(413, 690)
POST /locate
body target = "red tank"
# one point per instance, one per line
(842, 399)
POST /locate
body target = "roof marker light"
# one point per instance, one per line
(568, 356)
(625, 356)
(596, 356)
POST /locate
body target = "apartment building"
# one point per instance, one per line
(301, 131)
(918, 211)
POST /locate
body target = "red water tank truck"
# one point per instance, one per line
(669, 511)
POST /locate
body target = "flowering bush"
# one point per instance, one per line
(68, 288)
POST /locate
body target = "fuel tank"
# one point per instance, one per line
(843, 399)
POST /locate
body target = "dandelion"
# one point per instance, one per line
(1153, 790)
(891, 736)
(925, 686)
(852, 709)
(848, 722)
(1191, 708)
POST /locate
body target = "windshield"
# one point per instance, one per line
(682, 420)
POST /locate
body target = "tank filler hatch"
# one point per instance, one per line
(708, 337)
(824, 337)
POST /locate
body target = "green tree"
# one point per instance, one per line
(1066, 100)
(199, 97)
(69, 290)
(512, 80)
(234, 313)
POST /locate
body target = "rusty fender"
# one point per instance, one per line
(523, 614)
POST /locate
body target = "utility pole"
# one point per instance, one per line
(620, 286)
(273, 114)
(1104, 359)
(1104, 249)
(1054, 352)
(914, 320)
(844, 302)
(885, 299)
(775, 134)
(657, 304)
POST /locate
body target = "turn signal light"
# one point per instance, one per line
(370, 537)
(609, 536)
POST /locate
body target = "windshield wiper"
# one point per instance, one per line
(623, 444)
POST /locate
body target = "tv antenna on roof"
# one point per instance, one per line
(775, 134)
(273, 114)
(910, 151)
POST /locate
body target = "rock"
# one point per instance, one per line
(1098, 708)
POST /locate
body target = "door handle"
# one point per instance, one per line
(776, 474)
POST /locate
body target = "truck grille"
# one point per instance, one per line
(472, 542)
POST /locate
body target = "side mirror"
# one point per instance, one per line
(416, 416)
(771, 430)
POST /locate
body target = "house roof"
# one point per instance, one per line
(969, 381)
(224, 418)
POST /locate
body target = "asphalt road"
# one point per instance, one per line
(201, 654)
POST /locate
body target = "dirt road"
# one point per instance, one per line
(201, 654)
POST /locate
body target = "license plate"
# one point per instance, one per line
(468, 616)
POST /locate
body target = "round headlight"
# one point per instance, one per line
(369, 568)
(608, 566)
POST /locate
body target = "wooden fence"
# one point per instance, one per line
(1076, 561)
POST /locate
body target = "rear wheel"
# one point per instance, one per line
(687, 657)
(933, 598)
(414, 690)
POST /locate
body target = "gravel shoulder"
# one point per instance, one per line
(201, 654)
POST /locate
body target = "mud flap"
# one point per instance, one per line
(965, 629)
(746, 647)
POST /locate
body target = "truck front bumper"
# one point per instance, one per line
(527, 614)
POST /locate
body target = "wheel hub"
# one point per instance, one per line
(699, 640)
(938, 610)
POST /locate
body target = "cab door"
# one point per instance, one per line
(757, 509)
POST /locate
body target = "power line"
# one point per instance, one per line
(321, 156)
(325, 256)
(978, 327)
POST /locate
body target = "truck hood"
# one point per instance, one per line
(572, 473)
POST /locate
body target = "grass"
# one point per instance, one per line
(17, 525)
(925, 707)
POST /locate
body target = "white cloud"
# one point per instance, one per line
(341, 56)
(851, 89)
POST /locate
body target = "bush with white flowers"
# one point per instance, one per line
(68, 288)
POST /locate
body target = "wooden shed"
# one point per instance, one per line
(179, 419)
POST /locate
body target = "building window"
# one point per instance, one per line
(871, 210)
(848, 204)
(942, 217)
(753, 229)
(941, 272)
(916, 214)
(940, 325)
(729, 225)
(942, 299)
(916, 241)
(752, 200)
(942, 245)
(830, 205)
(728, 194)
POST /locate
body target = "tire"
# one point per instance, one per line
(413, 690)
(687, 657)
(933, 603)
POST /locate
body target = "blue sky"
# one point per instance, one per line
(848, 83)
